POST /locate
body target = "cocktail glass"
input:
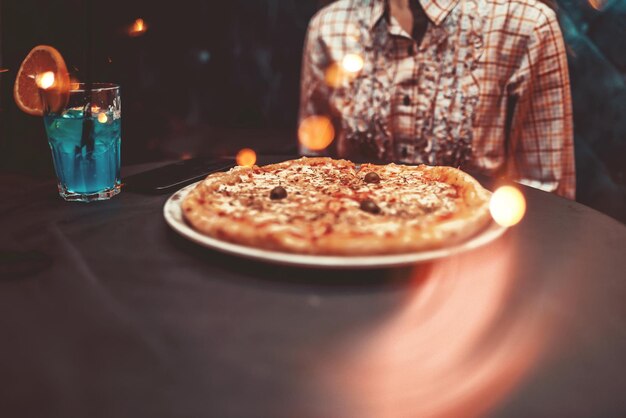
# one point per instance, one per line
(85, 141)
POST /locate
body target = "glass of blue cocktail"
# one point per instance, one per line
(85, 141)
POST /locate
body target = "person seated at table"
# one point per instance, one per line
(477, 84)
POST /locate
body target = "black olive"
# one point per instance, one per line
(372, 177)
(368, 205)
(278, 192)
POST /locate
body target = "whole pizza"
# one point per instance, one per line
(332, 207)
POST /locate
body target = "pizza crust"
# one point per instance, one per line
(421, 207)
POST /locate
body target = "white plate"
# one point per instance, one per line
(174, 217)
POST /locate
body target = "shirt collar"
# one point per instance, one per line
(436, 10)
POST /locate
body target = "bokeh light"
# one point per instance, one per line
(74, 82)
(138, 28)
(352, 63)
(338, 73)
(507, 206)
(246, 157)
(204, 56)
(316, 132)
(45, 80)
(598, 4)
(102, 118)
(334, 75)
(4, 70)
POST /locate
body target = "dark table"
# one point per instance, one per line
(105, 312)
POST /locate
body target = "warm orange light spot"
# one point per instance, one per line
(74, 83)
(246, 157)
(102, 118)
(186, 156)
(352, 63)
(45, 80)
(138, 28)
(334, 76)
(316, 132)
(597, 4)
(339, 72)
(507, 206)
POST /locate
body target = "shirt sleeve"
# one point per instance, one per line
(541, 138)
(314, 92)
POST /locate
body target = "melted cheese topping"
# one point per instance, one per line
(322, 198)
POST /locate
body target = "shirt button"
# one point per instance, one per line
(406, 100)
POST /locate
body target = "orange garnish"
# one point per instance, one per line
(40, 60)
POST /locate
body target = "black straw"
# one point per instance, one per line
(87, 135)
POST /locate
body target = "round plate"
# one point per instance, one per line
(174, 217)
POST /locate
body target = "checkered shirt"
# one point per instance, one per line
(487, 88)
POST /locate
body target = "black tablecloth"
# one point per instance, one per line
(106, 312)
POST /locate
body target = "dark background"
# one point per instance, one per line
(211, 77)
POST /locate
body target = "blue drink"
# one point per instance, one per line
(87, 166)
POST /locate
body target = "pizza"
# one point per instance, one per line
(332, 207)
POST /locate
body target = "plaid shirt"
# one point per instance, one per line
(486, 89)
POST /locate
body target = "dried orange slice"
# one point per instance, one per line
(41, 59)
